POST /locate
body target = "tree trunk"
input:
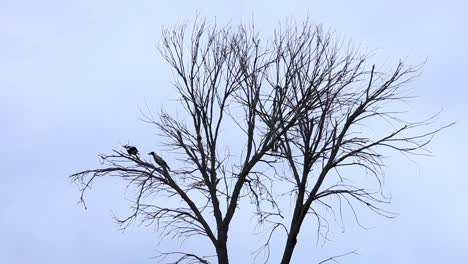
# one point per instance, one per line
(221, 248)
(292, 238)
(289, 249)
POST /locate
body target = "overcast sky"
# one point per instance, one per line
(73, 74)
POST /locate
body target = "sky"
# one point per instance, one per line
(73, 75)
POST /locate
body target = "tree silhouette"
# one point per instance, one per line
(292, 116)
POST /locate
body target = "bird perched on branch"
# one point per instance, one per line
(159, 160)
(131, 150)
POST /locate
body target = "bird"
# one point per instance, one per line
(159, 160)
(131, 150)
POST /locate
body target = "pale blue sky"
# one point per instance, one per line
(73, 73)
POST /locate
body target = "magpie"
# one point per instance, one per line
(131, 150)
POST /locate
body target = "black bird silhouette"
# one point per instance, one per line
(159, 160)
(131, 150)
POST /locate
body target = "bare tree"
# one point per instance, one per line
(303, 108)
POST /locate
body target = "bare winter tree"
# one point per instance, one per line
(305, 111)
